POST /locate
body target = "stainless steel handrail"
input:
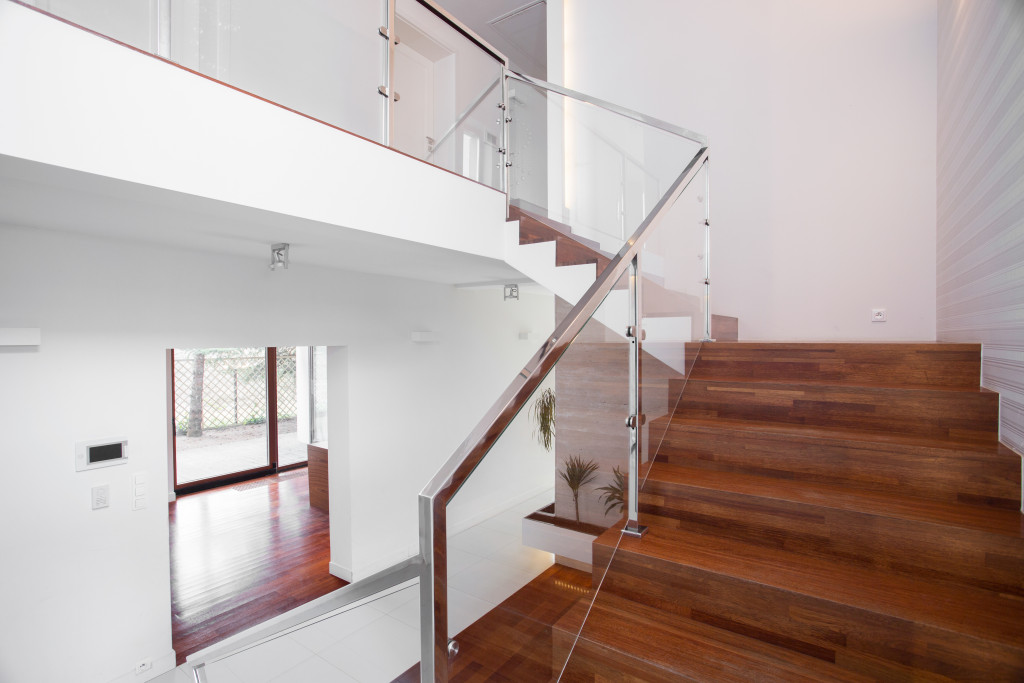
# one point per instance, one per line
(622, 111)
(434, 498)
(344, 596)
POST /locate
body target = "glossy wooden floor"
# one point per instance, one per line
(516, 640)
(244, 553)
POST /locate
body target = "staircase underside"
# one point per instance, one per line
(817, 512)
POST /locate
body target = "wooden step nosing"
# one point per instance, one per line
(837, 436)
(840, 387)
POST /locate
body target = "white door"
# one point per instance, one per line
(414, 111)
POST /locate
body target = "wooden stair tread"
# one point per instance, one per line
(797, 384)
(683, 649)
(837, 434)
(976, 518)
(902, 363)
(958, 609)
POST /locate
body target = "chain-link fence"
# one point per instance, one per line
(226, 387)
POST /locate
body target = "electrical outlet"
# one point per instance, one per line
(100, 496)
(878, 315)
(143, 666)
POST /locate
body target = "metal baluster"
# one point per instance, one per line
(636, 418)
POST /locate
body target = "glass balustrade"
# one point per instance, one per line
(532, 595)
(520, 529)
(447, 89)
(592, 170)
(322, 58)
(672, 301)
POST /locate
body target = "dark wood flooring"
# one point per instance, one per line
(516, 640)
(243, 553)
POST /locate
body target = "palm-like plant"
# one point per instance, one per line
(614, 494)
(577, 473)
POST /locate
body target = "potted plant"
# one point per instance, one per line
(614, 494)
(544, 417)
(577, 473)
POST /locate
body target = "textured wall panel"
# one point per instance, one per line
(980, 259)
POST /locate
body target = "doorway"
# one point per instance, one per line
(247, 541)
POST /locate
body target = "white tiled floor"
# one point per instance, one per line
(379, 639)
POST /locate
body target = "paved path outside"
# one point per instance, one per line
(234, 449)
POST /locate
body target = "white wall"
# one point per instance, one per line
(86, 594)
(981, 194)
(422, 401)
(821, 120)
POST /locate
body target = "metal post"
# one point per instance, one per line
(707, 250)
(435, 647)
(426, 590)
(636, 418)
(161, 39)
(506, 119)
(387, 30)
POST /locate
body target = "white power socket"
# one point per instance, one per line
(100, 496)
(878, 315)
(143, 666)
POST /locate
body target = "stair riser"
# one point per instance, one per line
(568, 251)
(979, 559)
(952, 475)
(908, 365)
(967, 417)
(855, 639)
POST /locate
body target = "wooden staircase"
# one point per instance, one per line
(817, 512)
(570, 249)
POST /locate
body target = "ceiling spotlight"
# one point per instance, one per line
(279, 256)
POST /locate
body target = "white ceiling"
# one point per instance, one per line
(43, 196)
(518, 28)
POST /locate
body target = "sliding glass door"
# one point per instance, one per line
(234, 417)
(220, 413)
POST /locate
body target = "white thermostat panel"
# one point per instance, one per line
(100, 453)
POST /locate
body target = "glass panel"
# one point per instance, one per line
(220, 411)
(470, 145)
(126, 20)
(595, 171)
(320, 57)
(522, 529)
(291, 448)
(448, 91)
(672, 289)
(673, 305)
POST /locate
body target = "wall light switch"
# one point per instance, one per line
(878, 315)
(100, 496)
